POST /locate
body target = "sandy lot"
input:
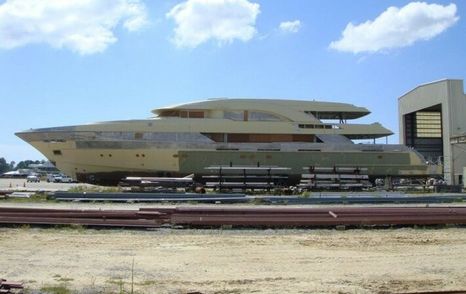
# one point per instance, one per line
(236, 261)
(23, 185)
(230, 261)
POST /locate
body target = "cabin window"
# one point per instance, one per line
(56, 152)
(238, 138)
(234, 115)
(170, 113)
(303, 138)
(259, 138)
(262, 116)
(196, 114)
(138, 136)
(216, 137)
(306, 126)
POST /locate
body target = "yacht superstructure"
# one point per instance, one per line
(187, 138)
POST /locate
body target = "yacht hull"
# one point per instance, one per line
(108, 166)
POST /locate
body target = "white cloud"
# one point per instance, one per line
(397, 27)
(83, 26)
(198, 21)
(290, 26)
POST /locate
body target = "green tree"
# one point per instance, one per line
(4, 166)
(26, 163)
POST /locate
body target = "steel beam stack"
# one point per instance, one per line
(276, 217)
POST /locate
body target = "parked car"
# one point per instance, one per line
(65, 179)
(52, 178)
(59, 178)
(32, 179)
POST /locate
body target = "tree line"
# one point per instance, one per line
(6, 167)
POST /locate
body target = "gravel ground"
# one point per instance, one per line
(236, 261)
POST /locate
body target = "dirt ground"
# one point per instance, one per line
(23, 185)
(235, 261)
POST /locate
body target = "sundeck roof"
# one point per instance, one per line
(326, 110)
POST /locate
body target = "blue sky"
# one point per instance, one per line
(112, 60)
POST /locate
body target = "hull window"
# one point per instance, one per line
(259, 138)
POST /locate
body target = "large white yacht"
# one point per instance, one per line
(185, 139)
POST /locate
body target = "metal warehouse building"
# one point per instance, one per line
(432, 120)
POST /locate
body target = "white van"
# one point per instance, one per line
(32, 179)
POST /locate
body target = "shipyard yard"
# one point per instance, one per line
(77, 259)
(232, 146)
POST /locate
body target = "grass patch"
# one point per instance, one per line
(38, 197)
(70, 227)
(65, 280)
(305, 194)
(148, 283)
(55, 289)
(119, 283)
(59, 278)
(258, 201)
(83, 188)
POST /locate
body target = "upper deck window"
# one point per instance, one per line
(250, 115)
(234, 115)
(262, 116)
(315, 126)
(170, 113)
(328, 115)
(182, 113)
